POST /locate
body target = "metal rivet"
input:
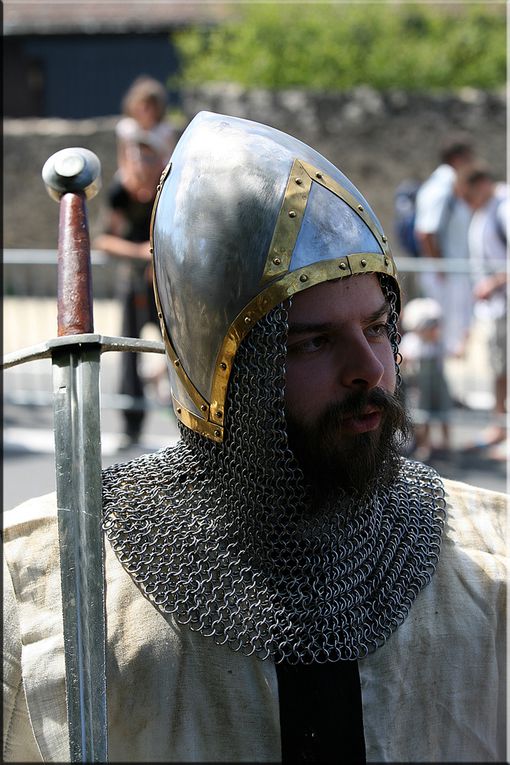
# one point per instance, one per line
(219, 414)
(203, 408)
(276, 261)
(386, 262)
(298, 181)
(223, 365)
(360, 208)
(343, 266)
(160, 315)
(247, 320)
(318, 175)
(217, 433)
(363, 263)
(179, 410)
(384, 238)
(151, 250)
(303, 278)
(176, 363)
(292, 214)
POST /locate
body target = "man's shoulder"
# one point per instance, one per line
(31, 540)
(441, 180)
(477, 518)
(37, 513)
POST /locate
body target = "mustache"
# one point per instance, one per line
(359, 462)
(356, 403)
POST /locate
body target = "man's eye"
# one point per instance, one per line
(378, 330)
(310, 345)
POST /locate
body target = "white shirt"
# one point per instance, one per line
(488, 237)
(161, 137)
(435, 692)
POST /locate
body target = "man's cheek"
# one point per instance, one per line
(295, 388)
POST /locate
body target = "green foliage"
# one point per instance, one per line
(336, 46)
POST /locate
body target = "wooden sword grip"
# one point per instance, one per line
(74, 270)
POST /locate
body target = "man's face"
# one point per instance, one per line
(479, 193)
(340, 380)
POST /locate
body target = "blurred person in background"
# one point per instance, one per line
(144, 108)
(442, 222)
(488, 239)
(130, 201)
(423, 352)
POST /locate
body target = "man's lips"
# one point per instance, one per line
(368, 420)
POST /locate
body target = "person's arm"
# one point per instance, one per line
(122, 248)
(114, 244)
(429, 245)
(432, 201)
(488, 285)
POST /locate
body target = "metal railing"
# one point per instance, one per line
(29, 313)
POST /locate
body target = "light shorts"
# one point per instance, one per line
(497, 346)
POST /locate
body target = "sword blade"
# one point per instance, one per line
(78, 483)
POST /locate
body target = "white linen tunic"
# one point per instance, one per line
(435, 692)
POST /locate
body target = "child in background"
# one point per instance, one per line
(144, 107)
(423, 356)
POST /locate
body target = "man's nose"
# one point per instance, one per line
(359, 367)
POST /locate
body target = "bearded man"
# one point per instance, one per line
(282, 585)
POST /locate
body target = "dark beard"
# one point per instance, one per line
(356, 464)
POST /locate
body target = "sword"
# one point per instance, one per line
(72, 176)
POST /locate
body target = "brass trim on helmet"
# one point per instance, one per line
(191, 420)
(288, 223)
(275, 293)
(292, 212)
(340, 191)
(289, 284)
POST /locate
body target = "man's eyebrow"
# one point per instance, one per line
(379, 312)
(303, 327)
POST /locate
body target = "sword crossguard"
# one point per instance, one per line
(72, 176)
(72, 170)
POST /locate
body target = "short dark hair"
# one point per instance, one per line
(477, 173)
(455, 145)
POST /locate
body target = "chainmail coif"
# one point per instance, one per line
(222, 536)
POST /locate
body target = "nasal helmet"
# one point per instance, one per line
(245, 217)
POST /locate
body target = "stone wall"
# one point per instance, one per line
(376, 139)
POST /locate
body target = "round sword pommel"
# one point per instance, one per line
(72, 170)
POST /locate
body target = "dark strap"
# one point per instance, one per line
(321, 715)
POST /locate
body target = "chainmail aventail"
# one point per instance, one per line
(222, 537)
